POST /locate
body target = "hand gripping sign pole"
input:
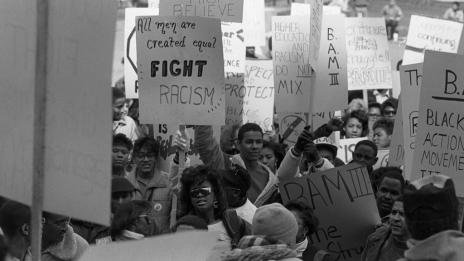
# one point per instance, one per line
(39, 126)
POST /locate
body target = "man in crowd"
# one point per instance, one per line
(121, 122)
(389, 189)
(122, 147)
(393, 14)
(365, 153)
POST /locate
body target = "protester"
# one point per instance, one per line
(236, 184)
(431, 210)
(189, 223)
(122, 123)
(355, 125)
(356, 104)
(375, 110)
(122, 147)
(274, 236)
(152, 184)
(365, 153)
(389, 107)
(389, 189)
(383, 131)
(388, 242)
(454, 13)
(272, 155)
(15, 224)
(328, 150)
(393, 14)
(122, 190)
(203, 195)
(133, 221)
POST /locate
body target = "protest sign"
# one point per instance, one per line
(320, 118)
(439, 146)
(292, 70)
(396, 155)
(382, 161)
(411, 80)
(346, 148)
(191, 245)
(291, 125)
(331, 76)
(253, 22)
(345, 191)
(76, 150)
(225, 10)
(130, 47)
(396, 84)
(368, 54)
(430, 34)
(181, 70)
(299, 9)
(316, 24)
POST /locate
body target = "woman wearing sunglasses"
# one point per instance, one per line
(203, 195)
(133, 220)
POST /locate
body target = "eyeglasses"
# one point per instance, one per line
(200, 192)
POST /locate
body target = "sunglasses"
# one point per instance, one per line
(200, 192)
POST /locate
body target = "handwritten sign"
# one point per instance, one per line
(130, 47)
(411, 81)
(292, 69)
(291, 125)
(320, 118)
(316, 24)
(383, 156)
(181, 70)
(430, 34)
(396, 155)
(226, 10)
(254, 22)
(331, 76)
(368, 54)
(439, 145)
(346, 148)
(345, 191)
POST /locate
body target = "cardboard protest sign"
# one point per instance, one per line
(411, 81)
(368, 54)
(225, 10)
(181, 70)
(320, 118)
(430, 34)
(346, 148)
(331, 76)
(192, 245)
(292, 70)
(345, 191)
(254, 22)
(316, 24)
(291, 125)
(130, 46)
(299, 9)
(396, 154)
(382, 161)
(439, 147)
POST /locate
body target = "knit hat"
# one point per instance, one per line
(430, 206)
(276, 222)
(325, 142)
(238, 177)
(119, 184)
(193, 221)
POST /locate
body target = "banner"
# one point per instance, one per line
(439, 145)
(346, 148)
(292, 70)
(430, 34)
(181, 70)
(291, 125)
(411, 81)
(253, 22)
(368, 54)
(331, 76)
(130, 46)
(340, 192)
(225, 10)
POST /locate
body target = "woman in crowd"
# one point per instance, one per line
(355, 124)
(272, 155)
(132, 221)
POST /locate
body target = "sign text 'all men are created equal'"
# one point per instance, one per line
(181, 70)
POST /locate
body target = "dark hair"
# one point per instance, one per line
(151, 144)
(277, 148)
(362, 118)
(118, 94)
(237, 177)
(196, 175)
(384, 123)
(4, 249)
(456, 3)
(375, 105)
(388, 172)
(306, 214)
(126, 215)
(368, 143)
(12, 216)
(248, 127)
(390, 102)
(122, 139)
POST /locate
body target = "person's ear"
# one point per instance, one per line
(25, 230)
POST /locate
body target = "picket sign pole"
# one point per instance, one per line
(182, 154)
(39, 127)
(365, 98)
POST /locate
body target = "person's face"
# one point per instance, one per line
(145, 160)
(381, 138)
(54, 229)
(392, 2)
(250, 146)
(202, 197)
(353, 128)
(302, 229)
(374, 112)
(144, 225)
(234, 197)
(455, 7)
(388, 192)
(118, 108)
(365, 154)
(326, 153)
(397, 221)
(268, 158)
(389, 112)
(120, 156)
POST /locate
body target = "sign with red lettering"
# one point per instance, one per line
(226, 10)
(439, 143)
(181, 70)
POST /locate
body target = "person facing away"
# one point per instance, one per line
(365, 153)
(431, 210)
(132, 221)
